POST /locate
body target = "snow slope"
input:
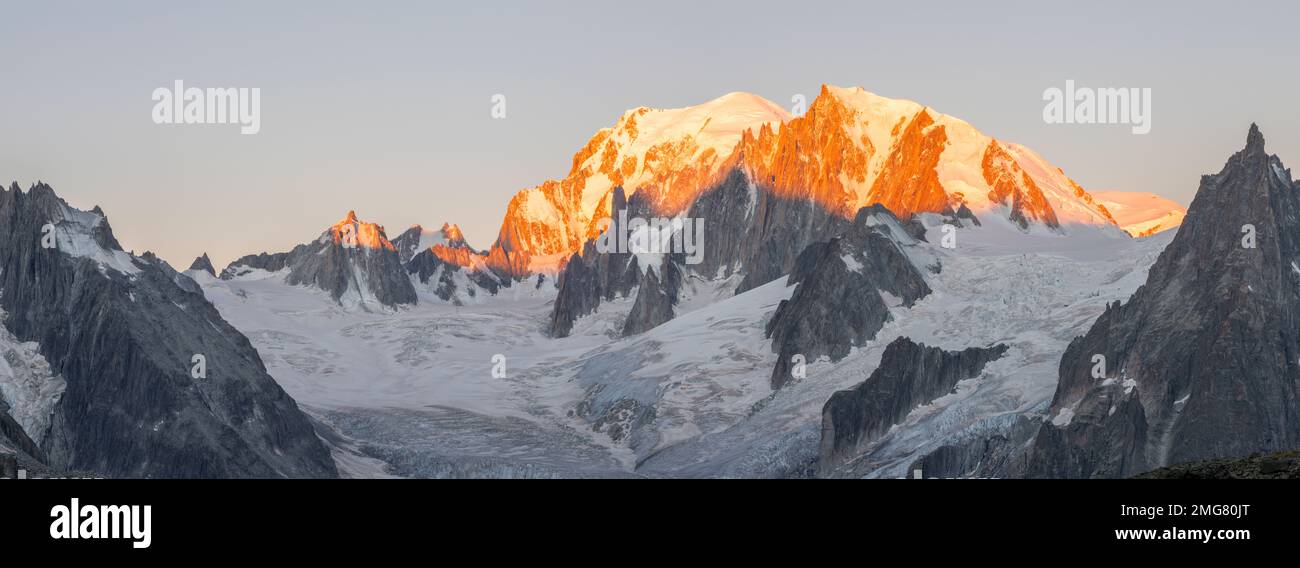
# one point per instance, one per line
(676, 151)
(1034, 292)
(27, 384)
(416, 385)
(416, 388)
(1142, 214)
(851, 149)
(73, 234)
(880, 120)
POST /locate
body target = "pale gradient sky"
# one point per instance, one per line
(383, 107)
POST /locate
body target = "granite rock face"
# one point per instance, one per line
(753, 231)
(579, 295)
(655, 299)
(964, 212)
(450, 281)
(14, 439)
(353, 261)
(1201, 362)
(203, 263)
(444, 262)
(270, 262)
(840, 301)
(910, 374)
(996, 455)
(124, 334)
(748, 230)
(408, 244)
(592, 276)
(8, 464)
(417, 239)
(359, 272)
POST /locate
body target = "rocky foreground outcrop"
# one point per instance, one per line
(1201, 362)
(18, 452)
(8, 465)
(1277, 465)
(127, 334)
(14, 439)
(910, 375)
(843, 286)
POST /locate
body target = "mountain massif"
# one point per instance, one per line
(868, 287)
(360, 268)
(851, 149)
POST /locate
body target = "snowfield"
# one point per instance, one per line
(1142, 213)
(438, 390)
(27, 385)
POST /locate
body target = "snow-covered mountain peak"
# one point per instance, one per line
(714, 126)
(418, 239)
(870, 107)
(453, 234)
(1140, 213)
(850, 149)
(352, 233)
(855, 148)
(78, 233)
(674, 152)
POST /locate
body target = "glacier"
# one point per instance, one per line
(418, 391)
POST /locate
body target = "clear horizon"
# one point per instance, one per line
(385, 109)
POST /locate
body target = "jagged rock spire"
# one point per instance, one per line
(1195, 365)
(203, 263)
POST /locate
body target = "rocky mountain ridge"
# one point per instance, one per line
(155, 383)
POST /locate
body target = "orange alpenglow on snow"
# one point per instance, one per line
(454, 249)
(359, 233)
(854, 148)
(459, 256)
(1011, 186)
(1142, 214)
(851, 149)
(677, 152)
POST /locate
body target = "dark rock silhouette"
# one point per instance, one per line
(910, 374)
(1202, 362)
(123, 332)
(204, 264)
(838, 303)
